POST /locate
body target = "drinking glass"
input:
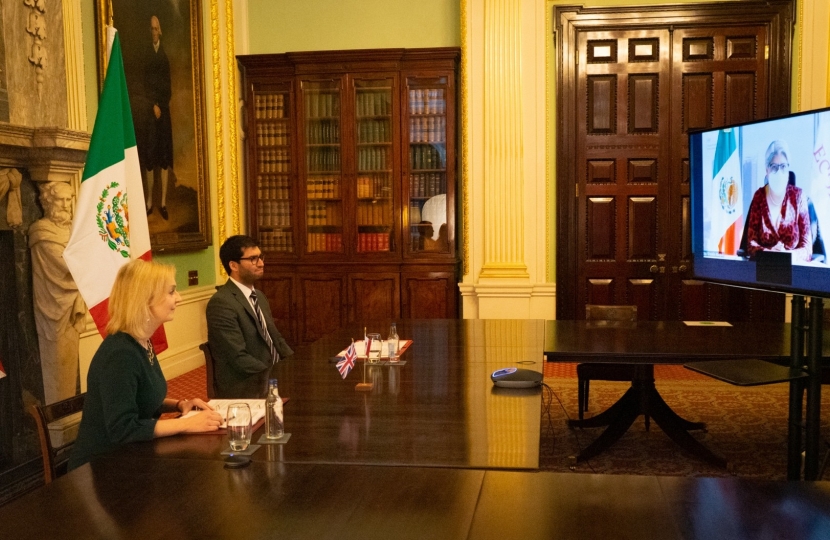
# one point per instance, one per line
(239, 426)
(371, 356)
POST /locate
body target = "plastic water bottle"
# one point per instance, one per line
(392, 343)
(274, 426)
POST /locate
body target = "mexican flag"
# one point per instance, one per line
(105, 236)
(727, 215)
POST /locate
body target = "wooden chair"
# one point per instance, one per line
(211, 378)
(55, 460)
(609, 316)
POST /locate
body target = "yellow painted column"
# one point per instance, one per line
(813, 55)
(503, 142)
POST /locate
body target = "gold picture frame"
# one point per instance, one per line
(179, 215)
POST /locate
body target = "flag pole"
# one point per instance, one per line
(364, 386)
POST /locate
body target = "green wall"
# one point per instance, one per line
(278, 26)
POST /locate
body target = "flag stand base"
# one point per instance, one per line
(364, 386)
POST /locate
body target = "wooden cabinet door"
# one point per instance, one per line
(322, 305)
(430, 295)
(629, 93)
(279, 289)
(374, 296)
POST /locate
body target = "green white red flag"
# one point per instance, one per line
(105, 235)
(727, 217)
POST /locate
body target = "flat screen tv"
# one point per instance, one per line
(760, 200)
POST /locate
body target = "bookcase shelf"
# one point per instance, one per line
(351, 176)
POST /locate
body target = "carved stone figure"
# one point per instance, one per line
(10, 184)
(59, 309)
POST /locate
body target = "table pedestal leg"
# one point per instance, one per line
(643, 398)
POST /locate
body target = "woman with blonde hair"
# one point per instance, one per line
(126, 390)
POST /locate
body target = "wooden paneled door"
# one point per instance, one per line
(628, 97)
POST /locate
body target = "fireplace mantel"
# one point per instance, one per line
(50, 154)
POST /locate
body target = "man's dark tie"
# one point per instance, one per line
(261, 319)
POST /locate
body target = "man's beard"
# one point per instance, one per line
(61, 218)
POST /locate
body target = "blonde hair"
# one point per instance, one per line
(138, 285)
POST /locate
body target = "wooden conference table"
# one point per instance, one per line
(439, 409)
(646, 343)
(433, 451)
(152, 498)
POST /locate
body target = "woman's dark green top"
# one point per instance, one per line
(124, 397)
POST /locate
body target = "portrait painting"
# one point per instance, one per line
(161, 42)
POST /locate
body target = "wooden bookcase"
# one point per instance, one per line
(351, 175)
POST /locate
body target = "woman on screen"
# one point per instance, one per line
(778, 217)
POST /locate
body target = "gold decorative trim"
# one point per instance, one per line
(232, 101)
(549, 274)
(464, 146)
(74, 61)
(800, 23)
(217, 120)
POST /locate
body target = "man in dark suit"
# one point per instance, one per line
(244, 343)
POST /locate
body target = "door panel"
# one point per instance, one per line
(624, 95)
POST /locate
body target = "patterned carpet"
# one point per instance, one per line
(748, 426)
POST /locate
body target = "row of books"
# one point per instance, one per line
(427, 101)
(323, 132)
(274, 213)
(374, 131)
(325, 242)
(277, 160)
(273, 186)
(427, 129)
(323, 159)
(378, 103)
(272, 134)
(374, 213)
(373, 241)
(322, 104)
(323, 213)
(373, 186)
(374, 158)
(323, 187)
(427, 184)
(268, 106)
(276, 241)
(427, 157)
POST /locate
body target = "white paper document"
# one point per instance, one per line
(221, 406)
(360, 348)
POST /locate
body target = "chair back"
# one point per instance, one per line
(209, 369)
(55, 459)
(619, 314)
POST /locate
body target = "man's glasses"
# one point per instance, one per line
(775, 167)
(253, 259)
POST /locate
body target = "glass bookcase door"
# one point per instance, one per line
(427, 164)
(274, 169)
(375, 164)
(324, 194)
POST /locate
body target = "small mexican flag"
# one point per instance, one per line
(105, 236)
